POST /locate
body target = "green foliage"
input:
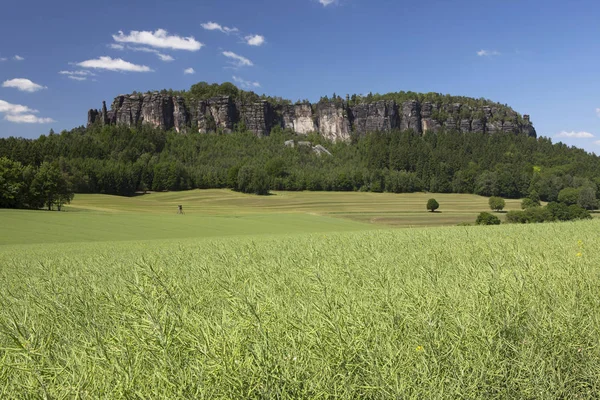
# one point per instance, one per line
(432, 205)
(485, 218)
(568, 196)
(528, 203)
(587, 198)
(29, 187)
(551, 212)
(120, 160)
(496, 203)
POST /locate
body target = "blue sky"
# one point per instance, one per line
(540, 57)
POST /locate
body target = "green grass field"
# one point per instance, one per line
(293, 296)
(211, 213)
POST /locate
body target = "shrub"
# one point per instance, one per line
(496, 203)
(432, 205)
(485, 218)
(516, 217)
(528, 203)
(568, 196)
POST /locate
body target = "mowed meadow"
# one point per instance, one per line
(123, 298)
(212, 213)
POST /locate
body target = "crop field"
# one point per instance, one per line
(112, 300)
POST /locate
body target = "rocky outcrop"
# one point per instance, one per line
(335, 120)
(411, 116)
(299, 118)
(375, 117)
(318, 149)
(257, 117)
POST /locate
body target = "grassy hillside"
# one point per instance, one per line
(453, 312)
(210, 213)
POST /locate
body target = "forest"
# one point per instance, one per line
(122, 161)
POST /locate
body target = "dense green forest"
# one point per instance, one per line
(122, 160)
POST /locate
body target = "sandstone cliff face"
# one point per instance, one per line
(336, 121)
(375, 117)
(299, 118)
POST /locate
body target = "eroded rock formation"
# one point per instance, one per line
(335, 120)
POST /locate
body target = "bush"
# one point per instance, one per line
(568, 196)
(485, 218)
(432, 205)
(529, 203)
(496, 203)
(552, 212)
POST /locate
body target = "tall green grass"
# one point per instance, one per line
(461, 312)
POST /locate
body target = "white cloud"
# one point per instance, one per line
(116, 46)
(163, 57)
(160, 39)
(80, 73)
(189, 71)
(113, 64)
(24, 85)
(18, 58)
(575, 135)
(244, 83)
(6, 107)
(597, 142)
(255, 40)
(327, 2)
(213, 26)
(3, 58)
(77, 75)
(598, 111)
(487, 53)
(27, 119)
(21, 114)
(237, 59)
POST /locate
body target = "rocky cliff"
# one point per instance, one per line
(336, 120)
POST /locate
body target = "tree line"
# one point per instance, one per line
(121, 160)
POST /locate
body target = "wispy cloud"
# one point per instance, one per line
(18, 58)
(163, 57)
(213, 26)
(327, 2)
(113, 64)
(574, 135)
(80, 73)
(3, 59)
(255, 40)
(22, 84)
(159, 39)
(189, 71)
(27, 119)
(21, 114)
(598, 112)
(238, 60)
(488, 53)
(244, 83)
(77, 75)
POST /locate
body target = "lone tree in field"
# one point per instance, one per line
(432, 205)
(497, 203)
